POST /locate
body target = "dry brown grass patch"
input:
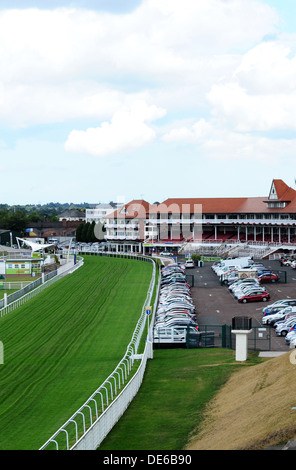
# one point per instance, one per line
(253, 410)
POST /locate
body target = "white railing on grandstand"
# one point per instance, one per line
(96, 417)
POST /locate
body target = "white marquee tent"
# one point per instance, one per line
(35, 246)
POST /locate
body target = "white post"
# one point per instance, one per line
(241, 344)
(5, 299)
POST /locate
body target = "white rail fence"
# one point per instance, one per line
(91, 423)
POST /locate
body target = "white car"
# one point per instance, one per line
(248, 290)
(242, 282)
(189, 263)
(281, 315)
(290, 336)
(283, 328)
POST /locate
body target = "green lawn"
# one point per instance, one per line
(60, 346)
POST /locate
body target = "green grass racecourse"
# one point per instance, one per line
(60, 346)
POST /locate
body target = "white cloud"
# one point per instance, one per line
(45, 55)
(197, 132)
(22, 105)
(128, 129)
(249, 112)
(221, 143)
(261, 95)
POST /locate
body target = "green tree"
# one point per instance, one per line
(84, 233)
(79, 232)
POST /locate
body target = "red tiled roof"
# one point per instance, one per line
(217, 205)
(131, 210)
(241, 205)
(284, 192)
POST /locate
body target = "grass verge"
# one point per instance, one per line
(169, 406)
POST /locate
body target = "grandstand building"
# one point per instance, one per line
(178, 222)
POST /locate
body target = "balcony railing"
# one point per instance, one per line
(279, 222)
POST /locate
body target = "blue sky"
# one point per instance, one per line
(111, 100)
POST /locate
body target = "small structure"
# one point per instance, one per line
(241, 327)
(34, 245)
(72, 215)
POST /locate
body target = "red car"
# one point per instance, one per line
(255, 296)
(268, 277)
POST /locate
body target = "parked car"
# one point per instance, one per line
(231, 279)
(290, 335)
(248, 290)
(176, 334)
(268, 277)
(283, 328)
(164, 317)
(189, 263)
(242, 281)
(254, 297)
(279, 304)
(281, 315)
(172, 322)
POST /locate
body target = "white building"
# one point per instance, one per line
(99, 213)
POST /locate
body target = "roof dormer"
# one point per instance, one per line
(279, 195)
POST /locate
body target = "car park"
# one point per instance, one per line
(176, 311)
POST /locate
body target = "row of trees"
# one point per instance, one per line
(17, 218)
(14, 220)
(85, 232)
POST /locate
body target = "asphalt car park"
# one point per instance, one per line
(215, 304)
